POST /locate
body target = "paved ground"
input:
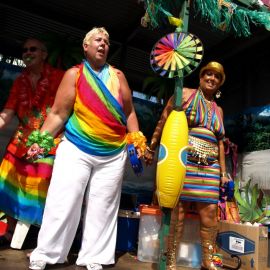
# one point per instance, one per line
(16, 260)
(11, 259)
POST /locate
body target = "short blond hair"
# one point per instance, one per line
(94, 31)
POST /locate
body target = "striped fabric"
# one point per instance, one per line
(202, 181)
(98, 123)
(196, 112)
(23, 187)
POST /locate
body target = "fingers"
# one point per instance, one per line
(148, 158)
(34, 152)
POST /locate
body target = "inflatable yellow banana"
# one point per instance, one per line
(171, 167)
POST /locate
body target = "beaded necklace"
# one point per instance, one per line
(209, 106)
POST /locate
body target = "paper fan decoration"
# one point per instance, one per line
(176, 55)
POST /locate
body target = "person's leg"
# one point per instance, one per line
(62, 212)
(100, 217)
(209, 228)
(175, 233)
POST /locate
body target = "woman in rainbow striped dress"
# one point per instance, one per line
(94, 103)
(205, 169)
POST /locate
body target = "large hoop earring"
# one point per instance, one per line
(218, 94)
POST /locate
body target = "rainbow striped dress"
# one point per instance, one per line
(97, 125)
(202, 181)
(24, 185)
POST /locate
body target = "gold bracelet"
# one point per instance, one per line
(223, 174)
(150, 150)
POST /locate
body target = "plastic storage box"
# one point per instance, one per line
(189, 252)
(148, 246)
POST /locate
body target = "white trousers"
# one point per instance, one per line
(76, 174)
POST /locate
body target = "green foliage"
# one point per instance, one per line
(162, 88)
(252, 203)
(257, 137)
(250, 130)
(62, 51)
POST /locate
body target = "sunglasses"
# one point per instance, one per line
(30, 49)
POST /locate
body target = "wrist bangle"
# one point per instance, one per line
(223, 174)
(150, 150)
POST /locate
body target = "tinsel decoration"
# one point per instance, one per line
(230, 17)
(158, 12)
(225, 15)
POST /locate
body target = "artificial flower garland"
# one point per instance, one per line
(137, 139)
(45, 140)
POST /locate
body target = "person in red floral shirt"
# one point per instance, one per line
(24, 184)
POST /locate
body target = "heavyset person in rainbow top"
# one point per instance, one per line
(94, 103)
(206, 168)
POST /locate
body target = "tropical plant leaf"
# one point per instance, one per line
(254, 195)
(237, 194)
(251, 204)
(246, 190)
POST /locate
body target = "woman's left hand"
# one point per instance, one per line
(224, 179)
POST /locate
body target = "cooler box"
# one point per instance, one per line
(127, 230)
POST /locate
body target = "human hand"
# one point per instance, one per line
(34, 152)
(149, 156)
(224, 179)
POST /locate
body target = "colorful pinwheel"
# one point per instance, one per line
(176, 55)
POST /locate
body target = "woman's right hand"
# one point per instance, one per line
(34, 152)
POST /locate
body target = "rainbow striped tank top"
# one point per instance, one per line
(196, 112)
(97, 125)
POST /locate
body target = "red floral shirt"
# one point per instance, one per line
(31, 106)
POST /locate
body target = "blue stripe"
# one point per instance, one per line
(26, 212)
(200, 187)
(202, 174)
(206, 200)
(91, 147)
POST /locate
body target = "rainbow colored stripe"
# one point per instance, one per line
(98, 123)
(202, 181)
(196, 112)
(23, 187)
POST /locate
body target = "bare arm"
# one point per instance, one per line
(63, 104)
(222, 161)
(132, 121)
(5, 117)
(149, 154)
(158, 130)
